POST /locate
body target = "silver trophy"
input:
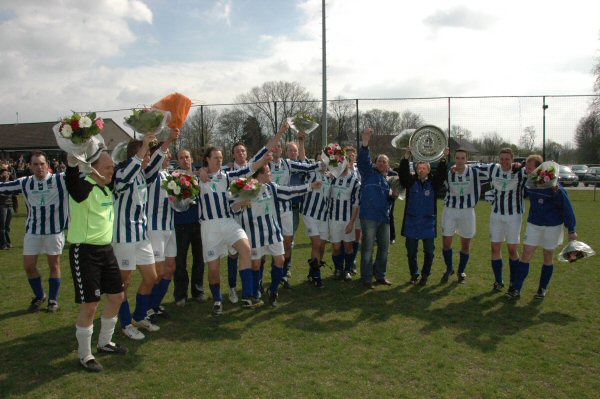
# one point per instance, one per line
(428, 143)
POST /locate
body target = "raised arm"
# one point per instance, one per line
(365, 165)
(301, 149)
(78, 188)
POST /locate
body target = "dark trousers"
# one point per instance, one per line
(6, 214)
(392, 224)
(412, 247)
(186, 235)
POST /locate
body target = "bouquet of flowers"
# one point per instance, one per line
(244, 188)
(544, 176)
(178, 106)
(302, 123)
(574, 251)
(147, 120)
(334, 157)
(182, 190)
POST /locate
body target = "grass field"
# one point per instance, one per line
(343, 341)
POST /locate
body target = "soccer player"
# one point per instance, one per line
(420, 212)
(161, 233)
(550, 209)
(463, 184)
(130, 241)
(221, 233)
(343, 213)
(94, 267)
(351, 155)
(259, 220)
(47, 215)
(506, 194)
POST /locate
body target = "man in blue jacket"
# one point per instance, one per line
(376, 198)
(420, 212)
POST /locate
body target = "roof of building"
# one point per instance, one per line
(30, 136)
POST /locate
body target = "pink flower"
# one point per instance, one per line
(546, 179)
(186, 183)
(248, 187)
(100, 123)
(175, 174)
(171, 198)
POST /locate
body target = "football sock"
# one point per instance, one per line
(512, 263)
(232, 271)
(546, 275)
(276, 276)
(54, 286)
(355, 247)
(497, 268)
(448, 259)
(349, 258)
(255, 282)
(107, 329)
(36, 287)
(125, 314)
(84, 340)
(522, 272)
(462, 263)
(286, 266)
(215, 290)
(338, 261)
(247, 283)
(158, 293)
(141, 306)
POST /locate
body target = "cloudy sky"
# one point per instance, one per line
(60, 55)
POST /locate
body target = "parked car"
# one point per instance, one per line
(592, 177)
(567, 177)
(579, 170)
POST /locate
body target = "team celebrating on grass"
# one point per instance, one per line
(120, 218)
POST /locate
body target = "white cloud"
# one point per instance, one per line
(220, 11)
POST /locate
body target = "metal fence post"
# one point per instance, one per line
(202, 141)
(449, 113)
(275, 113)
(544, 108)
(357, 127)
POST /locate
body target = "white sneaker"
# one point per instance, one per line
(131, 332)
(233, 298)
(145, 324)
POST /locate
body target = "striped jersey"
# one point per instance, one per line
(463, 188)
(47, 202)
(316, 202)
(131, 197)
(160, 213)
(215, 201)
(261, 221)
(281, 172)
(343, 197)
(507, 189)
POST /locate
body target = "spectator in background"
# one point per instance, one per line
(8, 207)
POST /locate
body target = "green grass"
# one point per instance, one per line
(400, 341)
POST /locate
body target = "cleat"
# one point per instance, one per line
(285, 284)
(252, 303)
(217, 309)
(161, 312)
(113, 348)
(541, 294)
(446, 276)
(383, 281)
(347, 277)
(462, 278)
(52, 306)
(368, 284)
(273, 299)
(257, 302)
(318, 283)
(233, 298)
(247, 304)
(338, 275)
(423, 281)
(414, 279)
(151, 315)
(91, 364)
(201, 298)
(131, 332)
(145, 324)
(36, 304)
(353, 271)
(513, 294)
(498, 287)
(181, 303)
(288, 274)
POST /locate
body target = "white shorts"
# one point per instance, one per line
(505, 227)
(131, 254)
(218, 237)
(549, 237)
(337, 231)
(37, 244)
(272, 249)
(461, 221)
(315, 227)
(163, 244)
(287, 223)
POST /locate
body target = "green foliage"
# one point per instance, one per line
(144, 120)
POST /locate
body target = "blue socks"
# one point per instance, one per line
(141, 306)
(448, 260)
(158, 293)
(247, 283)
(349, 262)
(276, 276)
(546, 275)
(232, 271)
(462, 263)
(36, 287)
(215, 290)
(497, 268)
(522, 272)
(54, 284)
(513, 264)
(125, 314)
(256, 278)
(338, 261)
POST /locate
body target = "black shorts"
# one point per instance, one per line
(95, 272)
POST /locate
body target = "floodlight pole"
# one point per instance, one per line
(324, 68)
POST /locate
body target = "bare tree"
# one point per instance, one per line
(230, 128)
(587, 138)
(410, 120)
(460, 132)
(341, 120)
(527, 139)
(198, 130)
(596, 72)
(490, 144)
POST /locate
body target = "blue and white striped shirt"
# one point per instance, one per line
(507, 189)
(343, 197)
(215, 202)
(463, 188)
(261, 221)
(160, 213)
(316, 202)
(131, 197)
(47, 202)
(281, 172)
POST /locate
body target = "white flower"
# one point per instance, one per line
(176, 190)
(66, 131)
(85, 122)
(172, 185)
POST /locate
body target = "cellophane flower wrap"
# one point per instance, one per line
(334, 157)
(394, 182)
(574, 251)
(244, 188)
(178, 107)
(182, 189)
(544, 176)
(147, 120)
(302, 123)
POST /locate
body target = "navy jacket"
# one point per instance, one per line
(420, 209)
(551, 208)
(375, 199)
